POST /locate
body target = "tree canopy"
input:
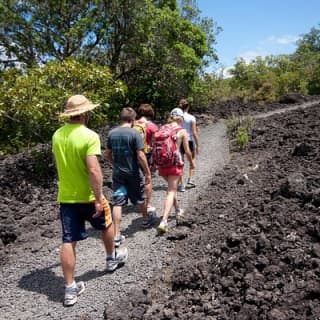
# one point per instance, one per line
(147, 44)
(157, 49)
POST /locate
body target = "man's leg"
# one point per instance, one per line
(114, 257)
(148, 191)
(117, 217)
(191, 171)
(181, 183)
(107, 236)
(68, 261)
(143, 209)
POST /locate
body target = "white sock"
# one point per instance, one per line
(72, 285)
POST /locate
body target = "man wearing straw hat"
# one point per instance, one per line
(76, 148)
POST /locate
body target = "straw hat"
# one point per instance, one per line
(76, 105)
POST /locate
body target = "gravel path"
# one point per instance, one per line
(286, 109)
(32, 286)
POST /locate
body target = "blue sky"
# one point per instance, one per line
(259, 27)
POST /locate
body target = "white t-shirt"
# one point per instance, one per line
(187, 124)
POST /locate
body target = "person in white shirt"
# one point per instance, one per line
(191, 127)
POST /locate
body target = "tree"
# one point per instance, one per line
(311, 39)
(163, 59)
(307, 58)
(33, 32)
(157, 47)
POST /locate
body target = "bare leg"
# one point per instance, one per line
(148, 191)
(171, 195)
(191, 171)
(68, 261)
(143, 209)
(181, 180)
(107, 236)
(117, 216)
(175, 202)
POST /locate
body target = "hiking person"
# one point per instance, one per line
(75, 148)
(125, 152)
(166, 154)
(190, 125)
(147, 129)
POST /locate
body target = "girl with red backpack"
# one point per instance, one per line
(166, 155)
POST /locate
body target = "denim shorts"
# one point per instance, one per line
(129, 188)
(73, 217)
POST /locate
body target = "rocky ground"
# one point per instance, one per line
(253, 250)
(249, 248)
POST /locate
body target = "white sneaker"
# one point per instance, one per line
(71, 294)
(180, 213)
(163, 226)
(190, 183)
(119, 240)
(120, 258)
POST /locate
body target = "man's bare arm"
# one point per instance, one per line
(95, 176)
(195, 136)
(144, 164)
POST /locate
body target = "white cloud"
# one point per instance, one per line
(250, 55)
(282, 40)
(223, 72)
(269, 46)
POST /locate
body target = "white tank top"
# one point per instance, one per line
(187, 124)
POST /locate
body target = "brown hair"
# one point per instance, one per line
(146, 110)
(183, 104)
(127, 114)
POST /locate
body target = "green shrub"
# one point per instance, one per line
(30, 102)
(242, 138)
(238, 129)
(234, 123)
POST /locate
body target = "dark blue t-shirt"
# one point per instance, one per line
(124, 143)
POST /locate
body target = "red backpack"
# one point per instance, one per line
(165, 151)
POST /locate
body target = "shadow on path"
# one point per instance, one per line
(45, 281)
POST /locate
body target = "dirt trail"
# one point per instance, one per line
(32, 286)
(286, 109)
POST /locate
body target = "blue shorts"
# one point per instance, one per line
(73, 217)
(129, 188)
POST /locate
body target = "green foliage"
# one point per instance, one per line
(234, 123)
(156, 47)
(238, 130)
(35, 31)
(267, 79)
(42, 164)
(212, 88)
(168, 50)
(30, 102)
(311, 40)
(242, 138)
